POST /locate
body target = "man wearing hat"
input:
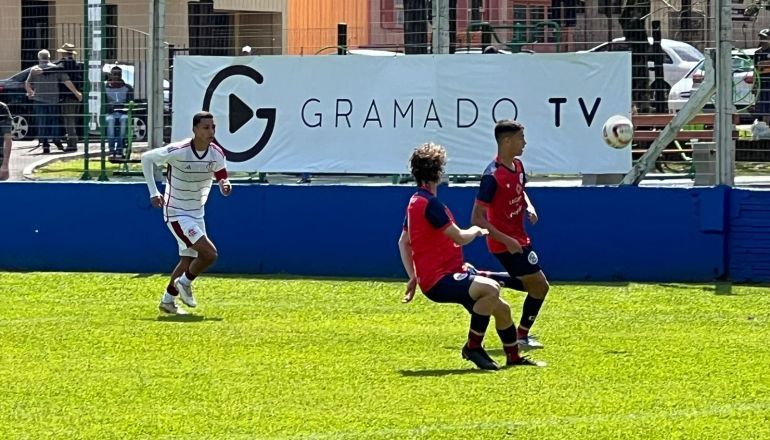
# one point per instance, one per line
(70, 106)
(246, 50)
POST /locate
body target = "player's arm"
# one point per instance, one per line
(159, 157)
(405, 249)
(437, 216)
(486, 193)
(531, 213)
(220, 175)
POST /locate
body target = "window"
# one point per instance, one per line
(110, 40)
(688, 53)
(392, 14)
(210, 31)
(530, 14)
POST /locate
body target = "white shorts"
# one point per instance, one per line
(187, 232)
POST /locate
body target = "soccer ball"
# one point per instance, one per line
(618, 131)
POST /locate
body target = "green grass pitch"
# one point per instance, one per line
(87, 356)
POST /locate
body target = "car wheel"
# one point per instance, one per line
(140, 129)
(19, 127)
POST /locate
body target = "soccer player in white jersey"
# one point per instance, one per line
(190, 165)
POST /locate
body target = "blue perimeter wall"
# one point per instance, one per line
(585, 233)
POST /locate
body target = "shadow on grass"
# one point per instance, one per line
(184, 318)
(441, 373)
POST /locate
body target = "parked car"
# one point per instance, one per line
(679, 57)
(743, 82)
(13, 93)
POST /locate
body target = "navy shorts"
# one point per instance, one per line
(518, 265)
(453, 288)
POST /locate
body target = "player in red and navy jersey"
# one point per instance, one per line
(430, 246)
(190, 166)
(501, 206)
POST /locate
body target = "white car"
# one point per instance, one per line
(743, 82)
(679, 57)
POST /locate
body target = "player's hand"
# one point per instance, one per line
(532, 216)
(157, 201)
(225, 187)
(478, 232)
(79, 96)
(513, 246)
(411, 288)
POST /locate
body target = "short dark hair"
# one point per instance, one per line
(427, 163)
(201, 115)
(117, 70)
(507, 126)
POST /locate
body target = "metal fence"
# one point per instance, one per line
(667, 40)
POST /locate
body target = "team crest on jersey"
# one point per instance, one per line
(460, 276)
(532, 258)
(192, 232)
(210, 166)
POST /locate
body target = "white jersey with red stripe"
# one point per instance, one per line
(188, 177)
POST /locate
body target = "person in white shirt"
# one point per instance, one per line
(190, 165)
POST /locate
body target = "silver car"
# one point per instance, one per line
(678, 57)
(743, 82)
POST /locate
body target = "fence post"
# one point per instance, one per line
(86, 45)
(155, 95)
(342, 38)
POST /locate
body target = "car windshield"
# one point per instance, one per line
(687, 53)
(740, 64)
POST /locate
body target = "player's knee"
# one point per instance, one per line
(209, 255)
(502, 308)
(540, 289)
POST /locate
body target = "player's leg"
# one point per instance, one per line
(477, 295)
(167, 302)
(526, 268)
(537, 288)
(485, 294)
(502, 278)
(207, 256)
(492, 303)
(191, 236)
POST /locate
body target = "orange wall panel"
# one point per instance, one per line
(312, 24)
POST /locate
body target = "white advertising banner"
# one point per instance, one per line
(365, 115)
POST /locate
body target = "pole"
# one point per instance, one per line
(156, 74)
(86, 91)
(440, 41)
(342, 38)
(725, 107)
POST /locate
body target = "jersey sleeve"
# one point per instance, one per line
(435, 213)
(220, 167)
(159, 156)
(487, 189)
